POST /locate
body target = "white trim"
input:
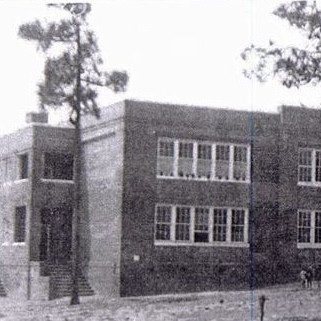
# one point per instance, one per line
(59, 181)
(313, 167)
(231, 163)
(18, 244)
(22, 180)
(199, 244)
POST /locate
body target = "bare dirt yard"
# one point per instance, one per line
(283, 303)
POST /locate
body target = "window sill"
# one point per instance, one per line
(309, 245)
(213, 244)
(204, 179)
(309, 184)
(18, 243)
(20, 180)
(59, 181)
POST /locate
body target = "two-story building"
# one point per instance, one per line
(175, 199)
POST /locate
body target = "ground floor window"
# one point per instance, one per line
(20, 224)
(309, 228)
(177, 224)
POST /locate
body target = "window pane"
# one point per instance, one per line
(219, 225)
(182, 227)
(240, 163)
(237, 227)
(20, 224)
(222, 162)
(163, 223)
(166, 149)
(201, 225)
(204, 161)
(58, 166)
(304, 227)
(23, 166)
(185, 160)
(318, 166)
(317, 238)
(165, 158)
(305, 165)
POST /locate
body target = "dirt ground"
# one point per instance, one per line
(283, 303)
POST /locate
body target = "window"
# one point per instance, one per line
(165, 163)
(305, 165)
(20, 224)
(203, 160)
(240, 163)
(58, 166)
(219, 225)
(309, 169)
(185, 160)
(201, 227)
(23, 166)
(237, 226)
(309, 228)
(182, 225)
(188, 225)
(222, 162)
(163, 223)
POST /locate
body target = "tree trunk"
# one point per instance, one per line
(77, 183)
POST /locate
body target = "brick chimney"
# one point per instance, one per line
(37, 117)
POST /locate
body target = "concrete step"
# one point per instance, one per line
(60, 283)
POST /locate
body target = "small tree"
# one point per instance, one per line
(71, 80)
(292, 65)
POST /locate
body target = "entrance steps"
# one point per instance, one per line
(60, 282)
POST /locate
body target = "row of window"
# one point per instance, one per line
(188, 224)
(55, 166)
(185, 224)
(196, 160)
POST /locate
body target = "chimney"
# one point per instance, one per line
(37, 117)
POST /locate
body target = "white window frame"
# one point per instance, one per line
(191, 242)
(311, 244)
(193, 175)
(313, 182)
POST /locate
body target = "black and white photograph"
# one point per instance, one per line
(160, 160)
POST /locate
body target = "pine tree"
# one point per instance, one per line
(71, 80)
(293, 66)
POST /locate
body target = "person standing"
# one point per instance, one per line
(309, 277)
(303, 278)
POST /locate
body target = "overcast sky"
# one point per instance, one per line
(177, 51)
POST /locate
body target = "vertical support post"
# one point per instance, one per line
(77, 181)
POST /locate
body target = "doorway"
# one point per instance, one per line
(56, 235)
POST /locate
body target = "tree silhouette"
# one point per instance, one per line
(293, 66)
(70, 80)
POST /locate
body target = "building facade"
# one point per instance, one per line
(175, 199)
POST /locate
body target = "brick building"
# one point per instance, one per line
(168, 200)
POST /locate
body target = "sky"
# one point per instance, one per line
(175, 51)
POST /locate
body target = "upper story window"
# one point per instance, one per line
(20, 224)
(58, 166)
(185, 160)
(309, 168)
(202, 160)
(23, 166)
(190, 225)
(165, 163)
(309, 228)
